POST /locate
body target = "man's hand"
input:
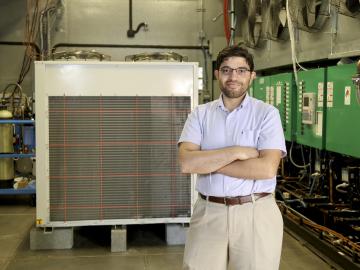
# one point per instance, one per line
(263, 167)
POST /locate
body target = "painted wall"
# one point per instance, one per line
(170, 22)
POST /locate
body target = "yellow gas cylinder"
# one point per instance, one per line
(6, 133)
(6, 146)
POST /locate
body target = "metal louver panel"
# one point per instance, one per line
(115, 157)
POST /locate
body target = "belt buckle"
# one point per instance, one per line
(228, 201)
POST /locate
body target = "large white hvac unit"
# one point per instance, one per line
(106, 137)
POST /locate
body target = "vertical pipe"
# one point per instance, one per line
(48, 36)
(232, 23)
(331, 183)
(130, 15)
(41, 35)
(226, 21)
(202, 10)
(45, 46)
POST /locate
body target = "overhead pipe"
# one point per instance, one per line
(20, 43)
(89, 45)
(131, 33)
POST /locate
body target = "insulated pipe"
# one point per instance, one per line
(41, 30)
(89, 45)
(48, 30)
(45, 49)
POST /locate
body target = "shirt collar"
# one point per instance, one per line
(244, 103)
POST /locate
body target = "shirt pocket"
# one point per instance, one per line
(247, 137)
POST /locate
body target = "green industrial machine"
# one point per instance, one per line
(252, 87)
(284, 91)
(343, 111)
(279, 90)
(262, 88)
(323, 113)
(310, 104)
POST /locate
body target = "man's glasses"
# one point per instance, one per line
(241, 71)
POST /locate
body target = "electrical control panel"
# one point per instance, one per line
(283, 90)
(311, 103)
(308, 108)
(261, 89)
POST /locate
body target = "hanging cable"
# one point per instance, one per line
(292, 42)
(294, 59)
(31, 25)
(292, 161)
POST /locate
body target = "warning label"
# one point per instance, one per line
(347, 96)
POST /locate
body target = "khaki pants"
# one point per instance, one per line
(240, 237)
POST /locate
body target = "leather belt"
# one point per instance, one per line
(234, 200)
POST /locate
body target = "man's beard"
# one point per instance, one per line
(233, 93)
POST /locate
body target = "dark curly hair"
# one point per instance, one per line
(235, 51)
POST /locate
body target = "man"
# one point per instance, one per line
(234, 144)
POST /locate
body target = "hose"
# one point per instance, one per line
(342, 185)
(292, 161)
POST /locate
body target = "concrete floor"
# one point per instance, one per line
(146, 247)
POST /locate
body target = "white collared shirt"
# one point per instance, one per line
(253, 124)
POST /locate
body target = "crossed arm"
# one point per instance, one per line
(234, 161)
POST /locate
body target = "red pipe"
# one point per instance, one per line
(226, 21)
